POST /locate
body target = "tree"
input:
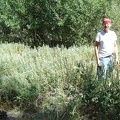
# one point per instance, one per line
(52, 22)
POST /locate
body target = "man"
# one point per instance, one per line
(105, 49)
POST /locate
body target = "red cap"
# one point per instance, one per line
(106, 20)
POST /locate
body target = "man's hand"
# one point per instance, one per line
(99, 63)
(117, 61)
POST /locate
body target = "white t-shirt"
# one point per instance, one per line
(106, 40)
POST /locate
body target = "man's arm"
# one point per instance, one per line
(116, 52)
(96, 54)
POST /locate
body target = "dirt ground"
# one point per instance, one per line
(17, 114)
(14, 113)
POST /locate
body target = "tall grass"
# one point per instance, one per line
(57, 82)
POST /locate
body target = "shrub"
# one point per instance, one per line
(57, 82)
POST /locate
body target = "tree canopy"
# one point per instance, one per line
(55, 22)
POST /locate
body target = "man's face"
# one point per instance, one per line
(106, 25)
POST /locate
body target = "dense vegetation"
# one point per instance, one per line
(57, 83)
(67, 22)
(56, 78)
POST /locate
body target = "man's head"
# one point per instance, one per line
(106, 24)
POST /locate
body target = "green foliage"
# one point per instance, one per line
(115, 16)
(62, 22)
(57, 83)
(101, 99)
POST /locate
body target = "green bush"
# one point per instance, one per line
(57, 82)
(101, 99)
(56, 22)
